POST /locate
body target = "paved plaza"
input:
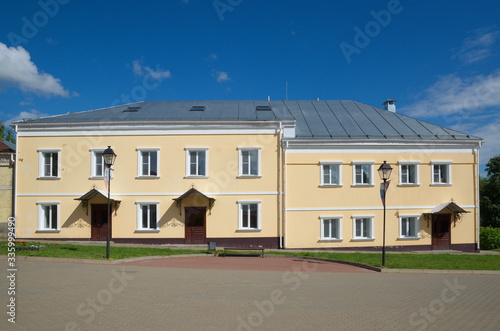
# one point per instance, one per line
(244, 293)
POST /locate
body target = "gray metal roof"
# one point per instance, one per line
(325, 119)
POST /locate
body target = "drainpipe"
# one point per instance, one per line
(14, 183)
(280, 192)
(284, 195)
(477, 218)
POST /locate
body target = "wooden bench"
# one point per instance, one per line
(254, 249)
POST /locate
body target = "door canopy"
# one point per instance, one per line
(199, 199)
(450, 206)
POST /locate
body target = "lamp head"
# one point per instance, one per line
(384, 171)
(109, 156)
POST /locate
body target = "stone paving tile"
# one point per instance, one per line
(59, 296)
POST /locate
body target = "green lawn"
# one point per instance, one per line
(413, 261)
(93, 252)
(397, 261)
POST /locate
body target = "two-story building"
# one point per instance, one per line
(7, 158)
(288, 174)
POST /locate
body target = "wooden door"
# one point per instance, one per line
(99, 221)
(195, 225)
(441, 238)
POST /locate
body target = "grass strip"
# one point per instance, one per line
(412, 261)
(92, 251)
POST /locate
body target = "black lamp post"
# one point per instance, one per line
(109, 157)
(384, 172)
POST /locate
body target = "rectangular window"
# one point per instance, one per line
(249, 215)
(249, 161)
(331, 228)
(362, 173)
(409, 227)
(441, 173)
(148, 162)
(96, 163)
(408, 173)
(330, 173)
(48, 216)
(196, 162)
(49, 163)
(363, 228)
(147, 215)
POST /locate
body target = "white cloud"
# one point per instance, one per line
(158, 74)
(477, 47)
(221, 76)
(32, 113)
(488, 130)
(17, 70)
(452, 95)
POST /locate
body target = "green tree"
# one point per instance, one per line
(489, 191)
(7, 134)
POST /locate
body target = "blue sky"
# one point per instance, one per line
(439, 59)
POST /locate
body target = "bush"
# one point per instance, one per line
(489, 238)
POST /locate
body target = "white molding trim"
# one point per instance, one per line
(147, 194)
(369, 208)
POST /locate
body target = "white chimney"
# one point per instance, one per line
(390, 105)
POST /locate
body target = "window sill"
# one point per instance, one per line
(195, 177)
(408, 185)
(48, 178)
(147, 177)
(147, 231)
(363, 185)
(330, 240)
(440, 184)
(249, 176)
(409, 238)
(330, 185)
(47, 231)
(249, 230)
(363, 239)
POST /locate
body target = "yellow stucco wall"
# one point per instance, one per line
(5, 193)
(222, 184)
(307, 200)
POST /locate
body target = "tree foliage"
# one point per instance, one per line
(6, 133)
(489, 191)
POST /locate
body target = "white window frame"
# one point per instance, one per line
(188, 162)
(240, 162)
(372, 230)
(41, 162)
(41, 216)
(93, 163)
(416, 164)
(416, 226)
(142, 150)
(329, 219)
(449, 175)
(362, 163)
(140, 204)
(240, 216)
(322, 173)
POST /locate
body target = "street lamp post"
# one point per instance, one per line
(109, 157)
(384, 172)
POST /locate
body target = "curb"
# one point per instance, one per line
(92, 261)
(441, 271)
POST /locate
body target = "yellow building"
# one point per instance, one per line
(287, 174)
(7, 156)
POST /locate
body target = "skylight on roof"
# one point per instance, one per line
(263, 108)
(132, 109)
(197, 108)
